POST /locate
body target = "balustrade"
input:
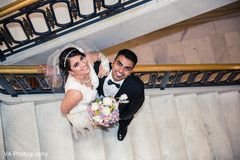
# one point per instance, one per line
(17, 80)
(43, 20)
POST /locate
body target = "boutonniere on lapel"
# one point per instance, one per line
(123, 98)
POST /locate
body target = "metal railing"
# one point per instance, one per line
(194, 75)
(16, 80)
(33, 22)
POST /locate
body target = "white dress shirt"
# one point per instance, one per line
(111, 90)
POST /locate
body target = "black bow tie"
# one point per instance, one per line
(110, 82)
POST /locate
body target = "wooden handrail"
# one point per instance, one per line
(19, 69)
(185, 67)
(14, 6)
(138, 68)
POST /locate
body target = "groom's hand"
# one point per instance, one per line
(44, 70)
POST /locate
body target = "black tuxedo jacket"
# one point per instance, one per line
(133, 87)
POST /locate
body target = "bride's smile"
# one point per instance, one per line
(85, 67)
(79, 65)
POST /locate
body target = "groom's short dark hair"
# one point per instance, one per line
(129, 55)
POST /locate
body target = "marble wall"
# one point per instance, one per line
(214, 41)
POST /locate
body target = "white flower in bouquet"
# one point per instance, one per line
(107, 101)
(94, 106)
(98, 119)
(106, 111)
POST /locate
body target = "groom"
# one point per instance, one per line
(121, 81)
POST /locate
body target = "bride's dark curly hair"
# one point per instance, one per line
(67, 53)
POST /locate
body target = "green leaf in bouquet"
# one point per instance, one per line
(98, 100)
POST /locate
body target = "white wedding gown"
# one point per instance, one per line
(78, 116)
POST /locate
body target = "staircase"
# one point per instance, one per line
(177, 124)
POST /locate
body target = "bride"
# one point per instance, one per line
(80, 87)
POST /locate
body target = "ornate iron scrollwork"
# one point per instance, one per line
(99, 4)
(21, 82)
(45, 38)
(13, 83)
(43, 82)
(77, 21)
(74, 9)
(50, 18)
(27, 27)
(112, 12)
(6, 36)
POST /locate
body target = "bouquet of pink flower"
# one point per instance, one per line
(103, 111)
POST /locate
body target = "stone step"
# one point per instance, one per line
(192, 126)
(215, 126)
(117, 150)
(168, 127)
(186, 126)
(2, 148)
(20, 131)
(91, 148)
(54, 132)
(144, 134)
(230, 104)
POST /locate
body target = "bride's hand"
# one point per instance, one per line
(102, 72)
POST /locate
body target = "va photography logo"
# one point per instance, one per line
(25, 154)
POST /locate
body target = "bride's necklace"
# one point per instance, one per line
(86, 81)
